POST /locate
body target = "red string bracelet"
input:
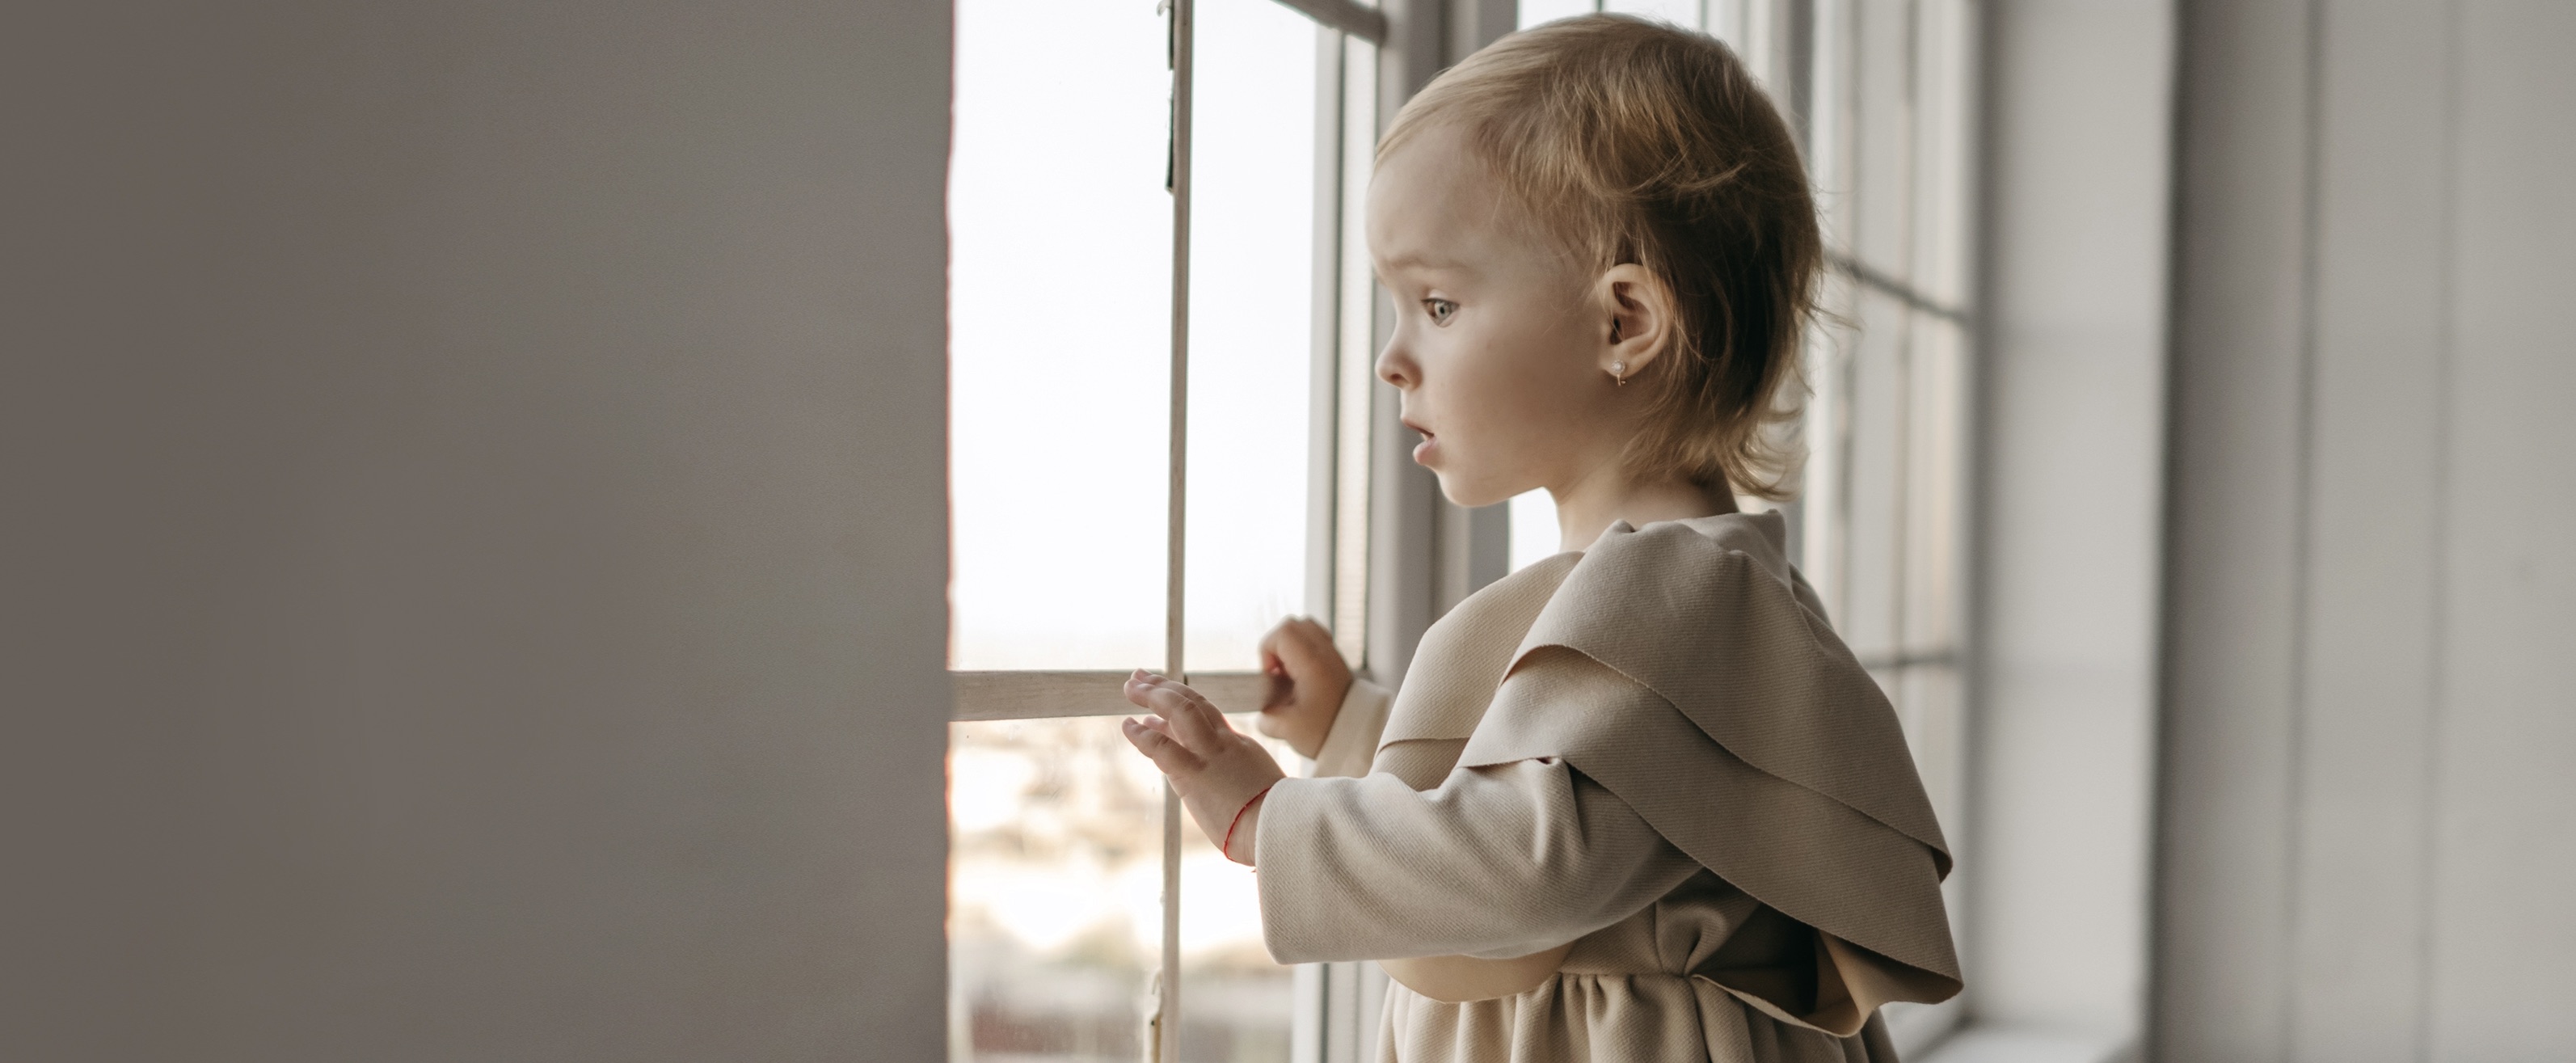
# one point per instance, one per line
(1226, 847)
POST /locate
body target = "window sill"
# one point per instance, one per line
(1993, 1043)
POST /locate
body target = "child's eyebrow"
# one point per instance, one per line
(1383, 282)
(1417, 263)
(1422, 260)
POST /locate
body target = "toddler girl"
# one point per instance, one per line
(1635, 801)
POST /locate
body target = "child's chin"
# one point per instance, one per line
(1466, 492)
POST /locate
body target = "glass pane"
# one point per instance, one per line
(1235, 1003)
(1252, 314)
(1933, 546)
(1059, 334)
(1534, 12)
(1055, 891)
(1533, 524)
(1830, 120)
(1873, 496)
(1725, 20)
(1683, 13)
(1928, 705)
(1945, 37)
(1825, 429)
(1883, 172)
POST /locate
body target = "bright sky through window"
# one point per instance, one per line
(1061, 277)
(1060, 326)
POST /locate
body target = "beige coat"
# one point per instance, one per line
(1636, 803)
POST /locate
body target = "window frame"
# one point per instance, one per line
(1342, 437)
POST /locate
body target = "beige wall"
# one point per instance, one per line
(473, 545)
(2371, 759)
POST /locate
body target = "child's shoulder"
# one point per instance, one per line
(1681, 586)
(1707, 616)
(1760, 538)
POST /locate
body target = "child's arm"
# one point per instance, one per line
(1500, 861)
(1497, 862)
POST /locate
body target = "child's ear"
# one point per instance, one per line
(1637, 319)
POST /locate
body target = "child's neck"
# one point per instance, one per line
(1583, 513)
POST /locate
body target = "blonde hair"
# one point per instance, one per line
(1630, 141)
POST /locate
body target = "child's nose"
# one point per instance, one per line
(1394, 367)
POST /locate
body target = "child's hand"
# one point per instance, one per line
(1307, 681)
(1217, 771)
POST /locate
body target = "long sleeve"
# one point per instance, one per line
(1496, 862)
(1352, 742)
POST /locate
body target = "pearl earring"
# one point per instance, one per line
(1619, 372)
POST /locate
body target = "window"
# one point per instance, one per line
(1070, 119)
(1884, 534)
(1085, 541)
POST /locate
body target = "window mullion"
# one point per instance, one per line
(1356, 338)
(1165, 1037)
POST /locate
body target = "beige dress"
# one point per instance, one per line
(1636, 803)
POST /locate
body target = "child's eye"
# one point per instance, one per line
(1441, 310)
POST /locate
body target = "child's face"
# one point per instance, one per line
(1497, 350)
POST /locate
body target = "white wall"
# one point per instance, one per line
(472, 556)
(2055, 856)
(2372, 764)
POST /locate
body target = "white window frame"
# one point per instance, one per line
(1342, 437)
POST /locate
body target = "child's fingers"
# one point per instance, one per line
(1276, 684)
(1208, 717)
(1171, 701)
(1194, 721)
(1171, 757)
(1139, 688)
(1162, 697)
(1165, 697)
(1163, 727)
(1307, 649)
